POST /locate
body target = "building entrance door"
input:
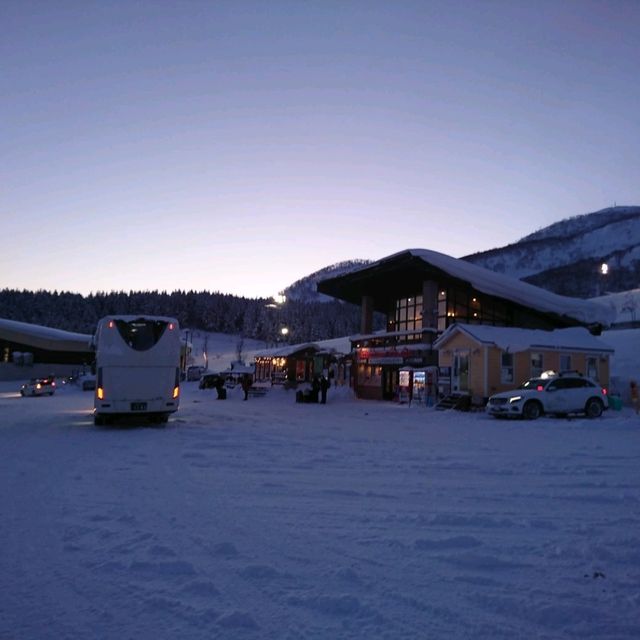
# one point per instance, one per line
(460, 378)
(389, 383)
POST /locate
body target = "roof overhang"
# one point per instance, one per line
(46, 338)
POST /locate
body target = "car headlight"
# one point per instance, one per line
(515, 399)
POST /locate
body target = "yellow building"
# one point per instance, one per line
(482, 360)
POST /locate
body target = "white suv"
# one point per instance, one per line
(559, 393)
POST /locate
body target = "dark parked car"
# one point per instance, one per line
(194, 372)
(88, 383)
(39, 387)
(211, 381)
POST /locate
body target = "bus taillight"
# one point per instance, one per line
(176, 384)
(99, 387)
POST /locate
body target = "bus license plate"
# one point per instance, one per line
(138, 406)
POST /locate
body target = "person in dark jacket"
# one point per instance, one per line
(220, 389)
(315, 389)
(246, 385)
(324, 386)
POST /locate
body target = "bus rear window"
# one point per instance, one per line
(141, 334)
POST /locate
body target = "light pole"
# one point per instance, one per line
(277, 303)
(186, 353)
(603, 271)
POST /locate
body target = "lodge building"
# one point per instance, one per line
(29, 350)
(421, 294)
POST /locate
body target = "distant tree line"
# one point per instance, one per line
(254, 318)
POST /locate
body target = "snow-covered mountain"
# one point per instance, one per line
(304, 290)
(566, 256)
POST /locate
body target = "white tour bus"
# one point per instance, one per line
(137, 367)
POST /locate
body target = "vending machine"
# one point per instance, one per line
(404, 386)
(419, 386)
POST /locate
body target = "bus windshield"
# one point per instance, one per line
(141, 334)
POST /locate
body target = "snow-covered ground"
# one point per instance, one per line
(355, 519)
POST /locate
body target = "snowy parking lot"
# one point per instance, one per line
(271, 519)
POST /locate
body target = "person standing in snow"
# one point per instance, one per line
(635, 397)
(324, 386)
(246, 385)
(315, 389)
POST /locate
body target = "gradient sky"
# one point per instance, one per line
(238, 146)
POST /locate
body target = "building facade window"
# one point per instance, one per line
(407, 316)
(565, 362)
(592, 368)
(537, 365)
(506, 367)
(469, 307)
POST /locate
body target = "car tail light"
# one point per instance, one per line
(604, 391)
(539, 388)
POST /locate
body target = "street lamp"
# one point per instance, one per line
(603, 272)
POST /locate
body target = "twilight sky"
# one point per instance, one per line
(238, 146)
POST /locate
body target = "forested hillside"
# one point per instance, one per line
(565, 257)
(252, 318)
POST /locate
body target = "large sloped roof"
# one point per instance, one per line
(40, 337)
(481, 279)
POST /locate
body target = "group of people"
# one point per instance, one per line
(320, 385)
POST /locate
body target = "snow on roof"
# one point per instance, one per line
(334, 345)
(514, 339)
(499, 285)
(43, 337)
(285, 350)
(390, 334)
(237, 368)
